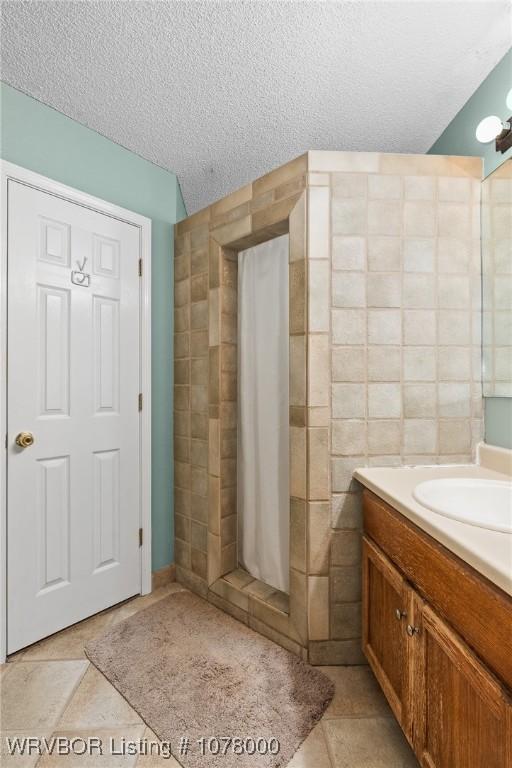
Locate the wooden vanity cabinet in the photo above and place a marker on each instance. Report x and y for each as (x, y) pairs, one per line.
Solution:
(453, 710)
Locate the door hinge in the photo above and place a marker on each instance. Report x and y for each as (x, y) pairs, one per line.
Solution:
(141, 536)
(140, 267)
(140, 401)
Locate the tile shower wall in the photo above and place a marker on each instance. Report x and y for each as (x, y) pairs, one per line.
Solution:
(384, 366)
(394, 252)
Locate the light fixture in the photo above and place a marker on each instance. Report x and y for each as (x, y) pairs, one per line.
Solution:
(492, 128)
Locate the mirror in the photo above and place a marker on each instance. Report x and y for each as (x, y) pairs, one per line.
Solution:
(497, 282)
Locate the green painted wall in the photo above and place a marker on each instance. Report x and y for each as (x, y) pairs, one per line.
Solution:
(38, 137)
(459, 139)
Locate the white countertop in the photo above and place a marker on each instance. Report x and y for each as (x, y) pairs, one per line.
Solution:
(489, 552)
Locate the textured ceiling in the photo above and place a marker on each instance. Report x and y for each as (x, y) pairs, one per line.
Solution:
(221, 92)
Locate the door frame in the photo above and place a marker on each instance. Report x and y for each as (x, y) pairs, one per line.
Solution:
(11, 172)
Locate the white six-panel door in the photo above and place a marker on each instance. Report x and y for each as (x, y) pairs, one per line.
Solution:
(73, 383)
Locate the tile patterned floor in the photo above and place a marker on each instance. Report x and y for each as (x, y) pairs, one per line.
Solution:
(52, 689)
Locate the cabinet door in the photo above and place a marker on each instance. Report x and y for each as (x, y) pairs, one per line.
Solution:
(465, 717)
(387, 602)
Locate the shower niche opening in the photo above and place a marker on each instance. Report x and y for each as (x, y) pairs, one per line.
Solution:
(261, 433)
(240, 405)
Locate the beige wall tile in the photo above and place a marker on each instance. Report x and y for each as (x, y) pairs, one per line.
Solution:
(199, 398)
(214, 318)
(348, 437)
(454, 399)
(199, 261)
(297, 370)
(297, 297)
(419, 187)
(341, 473)
(349, 185)
(319, 417)
(384, 289)
(384, 400)
(346, 548)
(299, 604)
(349, 217)
(343, 162)
(453, 256)
(284, 173)
(198, 343)
(298, 462)
(419, 291)
(384, 363)
(199, 453)
(454, 327)
(348, 289)
(318, 463)
(229, 234)
(199, 371)
(346, 510)
(198, 536)
(419, 254)
(318, 295)
(384, 217)
(297, 234)
(419, 327)
(454, 220)
(348, 326)
(454, 436)
(181, 293)
(199, 481)
(419, 219)
(181, 398)
(214, 569)
(384, 437)
(384, 187)
(345, 584)
(298, 535)
(384, 326)
(348, 401)
(319, 370)
(453, 292)
(242, 195)
(384, 254)
(318, 601)
(319, 534)
(346, 621)
(181, 345)
(199, 425)
(419, 363)
(348, 364)
(348, 253)
(420, 401)
(198, 287)
(420, 436)
(318, 223)
(214, 505)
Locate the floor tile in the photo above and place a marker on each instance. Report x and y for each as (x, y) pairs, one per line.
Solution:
(313, 751)
(153, 760)
(68, 644)
(374, 742)
(95, 760)
(35, 693)
(357, 693)
(9, 758)
(97, 704)
(139, 603)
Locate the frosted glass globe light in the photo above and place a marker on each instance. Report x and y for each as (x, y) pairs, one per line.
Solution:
(488, 128)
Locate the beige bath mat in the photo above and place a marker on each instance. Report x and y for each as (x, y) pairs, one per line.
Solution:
(194, 673)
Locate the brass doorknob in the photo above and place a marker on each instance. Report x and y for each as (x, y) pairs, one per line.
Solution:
(25, 439)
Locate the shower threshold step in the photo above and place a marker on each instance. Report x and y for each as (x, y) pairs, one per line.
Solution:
(244, 582)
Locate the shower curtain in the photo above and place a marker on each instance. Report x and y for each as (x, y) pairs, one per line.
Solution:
(263, 413)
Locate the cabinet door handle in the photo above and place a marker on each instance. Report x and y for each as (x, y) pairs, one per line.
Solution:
(399, 615)
(411, 631)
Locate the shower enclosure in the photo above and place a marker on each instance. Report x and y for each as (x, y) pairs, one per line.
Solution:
(376, 361)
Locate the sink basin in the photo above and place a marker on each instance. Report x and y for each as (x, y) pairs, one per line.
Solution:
(484, 503)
